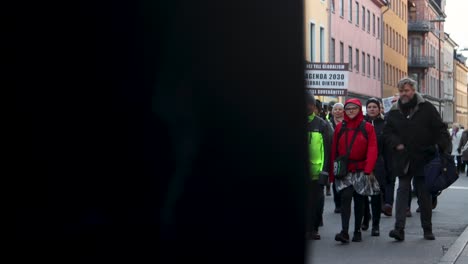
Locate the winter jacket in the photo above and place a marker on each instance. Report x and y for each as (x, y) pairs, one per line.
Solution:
(381, 169)
(463, 140)
(419, 132)
(363, 152)
(319, 134)
(456, 141)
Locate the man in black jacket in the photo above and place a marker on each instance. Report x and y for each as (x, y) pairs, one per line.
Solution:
(412, 131)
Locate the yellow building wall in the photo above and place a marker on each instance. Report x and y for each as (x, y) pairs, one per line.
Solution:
(395, 53)
(316, 11)
(461, 80)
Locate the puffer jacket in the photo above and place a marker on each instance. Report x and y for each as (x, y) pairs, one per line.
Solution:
(364, 151)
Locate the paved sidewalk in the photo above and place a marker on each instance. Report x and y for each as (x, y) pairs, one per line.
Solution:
(463, 258)
(450, 220)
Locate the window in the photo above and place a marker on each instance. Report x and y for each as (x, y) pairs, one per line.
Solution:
(390, 44)
(398, 43)
(368, 20)
(350, 58)
(368, 65)
(386, 34)
(373, 24)
(363, 63)
(322, 44)
(378, 27)
(373, 66)
(341, 52)
(332, 3)
(312, 42)
(363, 18)
(386, 73)
(342, 8)
(357, 60)
(350, 10)
(357, 13)
(378, 69)
(332, 50)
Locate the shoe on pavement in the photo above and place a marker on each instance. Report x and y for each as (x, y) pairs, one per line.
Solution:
(428, 235)
(328, 191)
(418, 210)
(408, 213)
(387, 210)
(337, 210)
(357, 237)
(365, 225)
(399, 235)
(342, 237)
(313, 235)
(434, 203)
(375, 231)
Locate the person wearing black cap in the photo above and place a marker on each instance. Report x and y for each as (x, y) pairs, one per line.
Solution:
(319, 136)
(375, 117)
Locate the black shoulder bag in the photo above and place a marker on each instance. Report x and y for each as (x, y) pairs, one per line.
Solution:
(340, 165)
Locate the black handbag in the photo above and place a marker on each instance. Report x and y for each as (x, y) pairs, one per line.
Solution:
(340, 165)
(440, 173)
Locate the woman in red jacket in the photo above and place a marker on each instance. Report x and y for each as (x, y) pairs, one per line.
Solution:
(362, 158)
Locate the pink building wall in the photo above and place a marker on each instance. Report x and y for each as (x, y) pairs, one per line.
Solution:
(342, 30)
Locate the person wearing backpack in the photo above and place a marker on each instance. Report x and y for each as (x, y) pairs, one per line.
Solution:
(354, 154)
(319, 135)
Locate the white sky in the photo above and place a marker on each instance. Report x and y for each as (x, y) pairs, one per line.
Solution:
(456, 22)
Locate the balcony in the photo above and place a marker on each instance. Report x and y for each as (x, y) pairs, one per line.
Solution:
(421, 61)
(420, 26)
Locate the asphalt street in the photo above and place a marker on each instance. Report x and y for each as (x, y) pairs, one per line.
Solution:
(449, 219)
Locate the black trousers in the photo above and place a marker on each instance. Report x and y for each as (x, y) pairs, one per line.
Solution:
(389, 193)
(336, 197)
(314, 210)
(376, 205)
(460, 164)
(424, 201)
(347, 195)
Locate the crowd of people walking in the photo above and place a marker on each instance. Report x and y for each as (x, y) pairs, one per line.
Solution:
(359, 157)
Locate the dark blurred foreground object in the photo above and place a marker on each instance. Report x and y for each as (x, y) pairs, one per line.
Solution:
(161, 132)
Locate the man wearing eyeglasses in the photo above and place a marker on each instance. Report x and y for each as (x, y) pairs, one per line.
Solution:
(413, 128)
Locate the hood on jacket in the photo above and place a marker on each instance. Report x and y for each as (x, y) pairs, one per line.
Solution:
(353, 123)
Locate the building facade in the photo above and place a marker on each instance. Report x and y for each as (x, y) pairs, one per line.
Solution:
(317, 32)
(425, 42)
(395, 47)
(461, 83)
(448, 79)
(356, 35)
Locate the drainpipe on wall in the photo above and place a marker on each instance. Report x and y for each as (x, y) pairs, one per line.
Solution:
(382, 62)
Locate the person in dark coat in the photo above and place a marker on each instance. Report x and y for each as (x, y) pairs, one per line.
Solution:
(464, 157)
(336, 118)
(375, 117)
(413, 129)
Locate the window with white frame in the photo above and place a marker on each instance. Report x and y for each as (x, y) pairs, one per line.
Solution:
(312, 42)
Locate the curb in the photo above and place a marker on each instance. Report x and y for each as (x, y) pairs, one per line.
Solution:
(456, 249)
